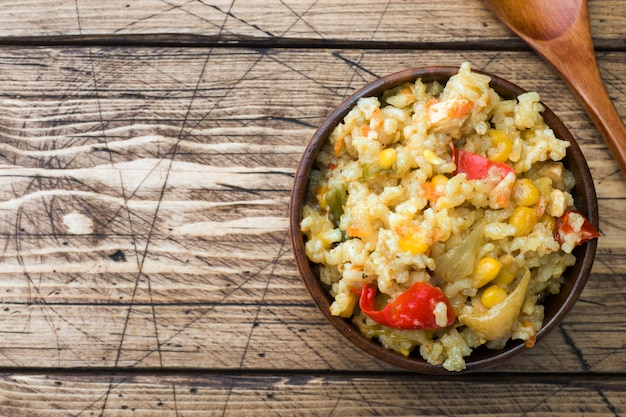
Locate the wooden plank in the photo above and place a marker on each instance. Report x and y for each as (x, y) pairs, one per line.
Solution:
(263, 336)
(122, 394)
(196, 336)
(443, 21)
(144, 195)
(145, 264)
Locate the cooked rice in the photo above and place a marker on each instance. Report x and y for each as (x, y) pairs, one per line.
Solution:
(361, 210)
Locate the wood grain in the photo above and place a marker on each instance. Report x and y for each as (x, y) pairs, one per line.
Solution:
(147, 150)
(305, 395)
(144, 223)
(444, 21)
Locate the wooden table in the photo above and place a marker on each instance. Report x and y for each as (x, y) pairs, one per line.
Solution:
(147, 152)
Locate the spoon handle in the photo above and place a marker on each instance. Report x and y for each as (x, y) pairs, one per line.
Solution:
(590, 89)
(572, 55)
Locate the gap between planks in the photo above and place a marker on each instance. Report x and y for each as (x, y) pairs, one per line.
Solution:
(494, 377)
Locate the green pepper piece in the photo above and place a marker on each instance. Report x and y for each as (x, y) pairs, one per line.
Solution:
(336, 198)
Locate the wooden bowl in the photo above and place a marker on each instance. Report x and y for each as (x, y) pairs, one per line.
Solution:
(556, 306)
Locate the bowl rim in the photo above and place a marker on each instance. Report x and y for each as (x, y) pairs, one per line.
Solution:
(481, 358)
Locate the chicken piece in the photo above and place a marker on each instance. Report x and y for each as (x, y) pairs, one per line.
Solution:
(448, 116)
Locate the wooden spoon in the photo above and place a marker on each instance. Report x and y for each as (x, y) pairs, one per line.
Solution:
(559, 31)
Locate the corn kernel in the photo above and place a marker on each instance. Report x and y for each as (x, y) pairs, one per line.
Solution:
(413, 244)
(502, 146)
(432, 157)
(493, 295)
(436, 187)
(439, 181)
(524, 220)
(320, 194)
(387, 158)
(525, 193)
(486, 270)
(505, 277)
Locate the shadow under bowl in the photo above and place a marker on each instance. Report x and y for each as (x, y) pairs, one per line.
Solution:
(556, 306)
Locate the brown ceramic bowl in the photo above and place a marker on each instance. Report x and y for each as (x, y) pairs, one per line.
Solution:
(556, 306)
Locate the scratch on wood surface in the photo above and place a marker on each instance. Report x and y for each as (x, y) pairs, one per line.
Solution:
(104, 398)
(141, 257)
(141, 273)
(281, 252)
(78, 23)
(167, 8)
(355, 65)
(380, 19)
(611, 407)
(577, 352)
(300, 17)
(174, 400)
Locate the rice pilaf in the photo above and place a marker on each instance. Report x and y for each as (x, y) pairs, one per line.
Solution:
(450, 189)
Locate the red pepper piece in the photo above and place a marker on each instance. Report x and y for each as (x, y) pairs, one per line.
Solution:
(562, 228)
(477, 167)
(413, 309)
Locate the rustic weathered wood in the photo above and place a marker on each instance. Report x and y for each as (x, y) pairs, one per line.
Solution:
(144, 208)
(59, 395)
(252, 337)
(445, 21)
(144, 186)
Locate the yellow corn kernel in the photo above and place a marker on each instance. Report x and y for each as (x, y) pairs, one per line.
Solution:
(439, 181)
(387, 158)
(485, 271)
(413, 244)
(320, 194)
(432, 157)
(436, 187)
(524, 220)
(501, 148)
(525, 193)
(493, 295)
(505, 277)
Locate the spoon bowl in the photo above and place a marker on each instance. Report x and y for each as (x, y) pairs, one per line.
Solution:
(559, 31)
